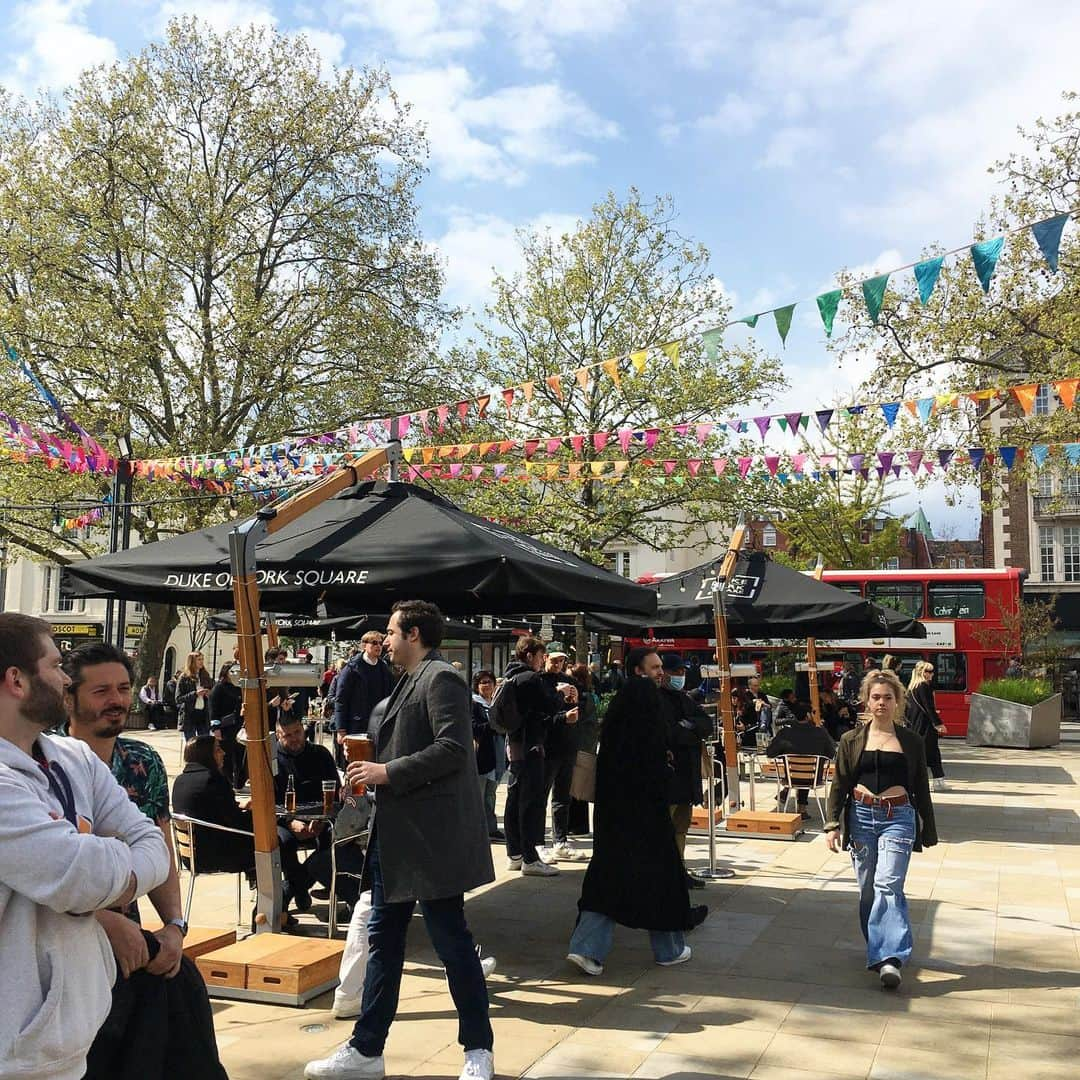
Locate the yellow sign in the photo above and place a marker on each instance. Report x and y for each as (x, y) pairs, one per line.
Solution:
(92, 630)
(134, 630)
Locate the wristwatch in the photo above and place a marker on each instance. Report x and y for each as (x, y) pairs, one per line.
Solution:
(180, 924)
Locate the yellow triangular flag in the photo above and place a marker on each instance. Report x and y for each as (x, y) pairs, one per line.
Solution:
(597, 467)
(582, 376)
(408, 452)
(552, 470)
(621, 467)
(638, 359)
(527, 390)
(573, 470)
(612, 368)
(944, 401)
(671, 350)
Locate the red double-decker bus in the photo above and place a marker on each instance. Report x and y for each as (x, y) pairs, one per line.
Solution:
(971, 631)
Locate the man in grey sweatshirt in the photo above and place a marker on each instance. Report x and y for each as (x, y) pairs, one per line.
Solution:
(71, 843)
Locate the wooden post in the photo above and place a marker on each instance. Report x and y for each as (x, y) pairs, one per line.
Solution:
(242, 551)
(811, 659)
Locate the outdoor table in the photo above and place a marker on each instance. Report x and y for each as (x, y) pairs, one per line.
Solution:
(751, 756)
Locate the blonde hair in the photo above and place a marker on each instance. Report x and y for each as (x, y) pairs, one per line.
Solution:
(372, 637)
(189, 667)
(890, 662)
(883, 678)
(921, 668)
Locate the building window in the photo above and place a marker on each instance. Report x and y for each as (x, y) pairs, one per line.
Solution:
(1046, 553)
(618, 562)
(957, 600)
(51, 600)
(1042, 400)
(768, 536)
(1070, 483)
(1070, 549)
(898, 595)
(879, 525)
(956, 563)
(1044, 484)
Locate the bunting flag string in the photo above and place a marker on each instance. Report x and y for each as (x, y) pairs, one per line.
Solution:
(984, 258)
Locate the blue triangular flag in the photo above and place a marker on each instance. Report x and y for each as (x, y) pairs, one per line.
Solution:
(856, 410)
(824, 417)
(925, 407)
(926, 276)
(976, 454)
(1008, 455)
(891, 409)
(1039, 454)
(1048, 236)
(1072, 452)
(985, 257)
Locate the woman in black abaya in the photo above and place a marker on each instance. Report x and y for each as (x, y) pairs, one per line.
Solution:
(636, 876)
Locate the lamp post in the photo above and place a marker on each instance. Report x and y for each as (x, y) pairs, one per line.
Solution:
(119, 537)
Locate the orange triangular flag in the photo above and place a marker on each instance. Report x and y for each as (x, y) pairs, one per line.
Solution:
(1066, 390)
(527, 390)
(638, 359)
(552, 470)
(506, 446)
(482, 404)
(464, 450)
(447, 451)
(612, 368)
(508, 397)
(555, 382)
(1025, 395)
(913, 408)
(573, 470)
(429, 454)
(582, 376)
(485, 448)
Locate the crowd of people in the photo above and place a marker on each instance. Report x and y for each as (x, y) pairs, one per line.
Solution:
(98, 805)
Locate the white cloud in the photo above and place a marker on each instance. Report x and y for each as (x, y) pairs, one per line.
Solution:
(495, 136)
(52, 46)
(220, 15)
(734, 115)
(790, 147)
(330, 46)
(476, 246)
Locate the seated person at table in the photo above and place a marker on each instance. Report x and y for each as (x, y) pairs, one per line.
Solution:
(203, 791)
(309, 765)
(801, 737)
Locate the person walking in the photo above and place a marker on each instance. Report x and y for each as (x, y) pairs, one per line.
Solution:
(428, 844)
(363, 682)
(193, 687)
(226, 706)
(922, 716)
(880, 808)
(636, 876)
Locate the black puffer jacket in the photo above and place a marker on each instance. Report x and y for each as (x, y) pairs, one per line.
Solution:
(540, 704)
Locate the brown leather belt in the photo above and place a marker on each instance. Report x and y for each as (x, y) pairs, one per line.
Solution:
(880, 800)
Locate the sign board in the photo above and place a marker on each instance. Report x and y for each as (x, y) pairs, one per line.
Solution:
(134, 630)
(68, 635)
(940, 634)
(738, 671)
(547, 628)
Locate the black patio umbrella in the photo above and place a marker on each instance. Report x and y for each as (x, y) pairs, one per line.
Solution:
(766, 599)
(348, 627)
(367, 547)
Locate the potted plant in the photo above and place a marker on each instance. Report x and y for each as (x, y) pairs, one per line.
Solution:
(1020, 712)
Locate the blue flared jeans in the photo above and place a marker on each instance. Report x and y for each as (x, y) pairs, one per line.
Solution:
(882, 838)
(594, 935)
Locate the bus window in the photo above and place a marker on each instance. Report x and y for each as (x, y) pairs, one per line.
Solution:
(957, 600)
(903, 596)
(950, 671)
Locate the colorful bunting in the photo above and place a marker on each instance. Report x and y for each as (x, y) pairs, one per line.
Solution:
(1048, 236)
(926, 277)
(873, 291)
(985, 256)
(671, 351)
(711, 340)
(783, 321)
(827, 304)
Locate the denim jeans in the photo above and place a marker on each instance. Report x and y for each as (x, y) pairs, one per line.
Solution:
(594, 934)
(444, 920)
(881, 844)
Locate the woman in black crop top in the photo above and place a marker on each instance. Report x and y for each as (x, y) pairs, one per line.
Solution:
(879, 806)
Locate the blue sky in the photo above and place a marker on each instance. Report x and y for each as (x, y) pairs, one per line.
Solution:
(795, 137)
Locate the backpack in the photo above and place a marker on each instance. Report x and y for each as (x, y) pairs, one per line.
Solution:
(504, 712)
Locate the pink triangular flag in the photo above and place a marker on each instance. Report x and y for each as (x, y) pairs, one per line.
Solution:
(744, 466)
(625, 435)
(772, 463)
(681, 429)
(915, 458)
(651, 435)
(600, 440)
(701, 432)
(692, 466)
(553, 447)
(443, 411)
(719, 464)
(477, 471)
(577, 442)
(797, 462)
(669, 467)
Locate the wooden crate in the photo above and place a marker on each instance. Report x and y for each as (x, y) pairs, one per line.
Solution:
(699, 819)
(304, 964)
(762, 823)
(200, 939)
(228, 966)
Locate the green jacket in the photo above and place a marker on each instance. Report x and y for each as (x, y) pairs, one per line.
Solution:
(852, 744)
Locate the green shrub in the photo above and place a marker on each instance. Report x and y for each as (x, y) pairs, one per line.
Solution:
(603, 701)
(773, 684)
(1022, 691)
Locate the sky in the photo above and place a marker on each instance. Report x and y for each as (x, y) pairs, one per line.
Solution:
(796, 137)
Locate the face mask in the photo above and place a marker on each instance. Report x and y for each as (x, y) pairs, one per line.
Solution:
(677, 682)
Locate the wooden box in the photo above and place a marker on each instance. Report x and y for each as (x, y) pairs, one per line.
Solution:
(228, 966)
(200, 939)
(699, 819)
(763, 823)
(306, 963)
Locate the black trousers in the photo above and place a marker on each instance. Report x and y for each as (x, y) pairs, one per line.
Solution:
(526, 808)
(558, 774)
(235, 764)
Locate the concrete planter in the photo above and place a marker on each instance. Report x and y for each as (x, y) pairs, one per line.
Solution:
(994, 722)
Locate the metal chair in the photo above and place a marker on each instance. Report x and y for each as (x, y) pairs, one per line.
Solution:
(331, 917)
(186, 859)
(808, 771)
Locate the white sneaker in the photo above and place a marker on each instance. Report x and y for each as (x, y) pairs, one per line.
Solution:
(939, 784)
(547, 855)
(586, 963)
(680, 959)
(539, 869)
(479, 1065)
(345, 1008)
(513, 862)
(890, 976)
(566, 852)
(487, 966)
(151, 727)
(346, 1063)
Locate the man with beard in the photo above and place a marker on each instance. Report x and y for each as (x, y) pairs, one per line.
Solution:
(98, 701)
(71, 843)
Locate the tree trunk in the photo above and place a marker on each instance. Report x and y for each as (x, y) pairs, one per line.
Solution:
(161, 621)
(581, 638)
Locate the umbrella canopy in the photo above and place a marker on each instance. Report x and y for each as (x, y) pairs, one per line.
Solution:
(766, 599)
(362, 550)
(348, 627)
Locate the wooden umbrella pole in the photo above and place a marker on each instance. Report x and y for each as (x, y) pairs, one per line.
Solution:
(243, 542)
(811, 659)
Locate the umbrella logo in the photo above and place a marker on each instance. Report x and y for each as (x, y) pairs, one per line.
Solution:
(523, 543)
(744, 587)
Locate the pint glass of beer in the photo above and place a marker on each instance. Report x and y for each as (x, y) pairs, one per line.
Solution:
(359, 748)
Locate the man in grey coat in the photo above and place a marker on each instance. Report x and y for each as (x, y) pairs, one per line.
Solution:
(428, 843)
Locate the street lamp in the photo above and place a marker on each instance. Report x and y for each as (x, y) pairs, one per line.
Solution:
(119, 536)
